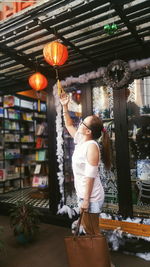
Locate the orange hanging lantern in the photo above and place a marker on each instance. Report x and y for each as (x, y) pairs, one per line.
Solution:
(38, 82)
(56, 55)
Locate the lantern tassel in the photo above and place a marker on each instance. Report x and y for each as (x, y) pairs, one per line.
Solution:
(39, 105)
(38, 94)
(59, 86)
(60, 89)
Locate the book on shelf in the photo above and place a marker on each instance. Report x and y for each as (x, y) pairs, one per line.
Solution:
(12, 153)
(10, 101)
(38, 115)
(40, 129)
(31, 128)
(37, 169)
(11, 137)
(40, 155)
(1, 112)
(27, 116)
(1, 141)
(42, 106)
(1, 154)
(11, 125)
(40, 181)
(44, 143)
(2, 175)
(29, 159)
(39, 142)
(26, 104)
(11, 114)
(27, 138)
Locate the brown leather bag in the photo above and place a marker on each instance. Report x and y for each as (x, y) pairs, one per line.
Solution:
(88, 250)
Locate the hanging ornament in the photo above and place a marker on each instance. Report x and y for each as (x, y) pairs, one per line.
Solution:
(117, 74)
(110, 28)
(38, 82)
(56, 55)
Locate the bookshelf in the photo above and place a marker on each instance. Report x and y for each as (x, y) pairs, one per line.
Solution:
(40, 177)
(23, 145)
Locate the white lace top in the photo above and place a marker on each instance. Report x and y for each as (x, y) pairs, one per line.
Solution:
(79, 162)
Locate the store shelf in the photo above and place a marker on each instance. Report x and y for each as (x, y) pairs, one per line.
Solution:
(19, 122)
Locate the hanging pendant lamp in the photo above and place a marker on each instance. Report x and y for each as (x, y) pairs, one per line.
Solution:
(38, 82)
(56, 55)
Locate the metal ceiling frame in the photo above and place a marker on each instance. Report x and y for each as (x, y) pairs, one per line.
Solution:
(79, 24)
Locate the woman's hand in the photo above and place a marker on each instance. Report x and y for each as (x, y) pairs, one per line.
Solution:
(84, 206)
(64, 99)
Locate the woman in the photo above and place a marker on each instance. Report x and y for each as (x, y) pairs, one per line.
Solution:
(85, 162)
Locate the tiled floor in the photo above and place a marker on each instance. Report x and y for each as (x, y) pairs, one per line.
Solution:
(71, 200)
(24, 195)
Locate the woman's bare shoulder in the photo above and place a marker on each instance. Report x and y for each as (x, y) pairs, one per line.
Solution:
(93, 154)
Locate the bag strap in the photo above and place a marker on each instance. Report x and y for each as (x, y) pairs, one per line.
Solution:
(79, 223)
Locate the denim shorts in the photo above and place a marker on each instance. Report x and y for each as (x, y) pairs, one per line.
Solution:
(94, 207)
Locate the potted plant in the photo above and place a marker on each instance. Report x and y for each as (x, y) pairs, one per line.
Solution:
(24, 219)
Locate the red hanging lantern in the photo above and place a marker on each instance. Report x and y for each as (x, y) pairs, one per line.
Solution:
(38, 81)
(55, 53)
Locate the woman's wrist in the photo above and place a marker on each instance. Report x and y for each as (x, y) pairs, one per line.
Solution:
(65, 112)
(86, 199)
(65, 109)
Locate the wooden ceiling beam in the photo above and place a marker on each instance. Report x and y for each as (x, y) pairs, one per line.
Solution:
(21, 58)
(17, 56)
(119, 9)
(66, 42)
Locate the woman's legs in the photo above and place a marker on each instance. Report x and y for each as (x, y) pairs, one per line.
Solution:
(90, 222)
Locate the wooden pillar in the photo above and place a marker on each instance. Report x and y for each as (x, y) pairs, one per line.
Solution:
(122, 153)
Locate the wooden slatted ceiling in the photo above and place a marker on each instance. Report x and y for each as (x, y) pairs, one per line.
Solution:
(79, 25)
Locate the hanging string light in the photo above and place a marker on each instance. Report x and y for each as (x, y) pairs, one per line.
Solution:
(56, 55)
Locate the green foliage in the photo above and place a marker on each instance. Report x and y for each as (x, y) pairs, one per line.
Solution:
(146, 109)
(106, 114)
(24, 219)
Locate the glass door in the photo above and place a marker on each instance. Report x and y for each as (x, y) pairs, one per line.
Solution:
(138, 107)
(75, 111)
(103, 107)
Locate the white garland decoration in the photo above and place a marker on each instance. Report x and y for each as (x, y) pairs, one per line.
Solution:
(59, 140)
